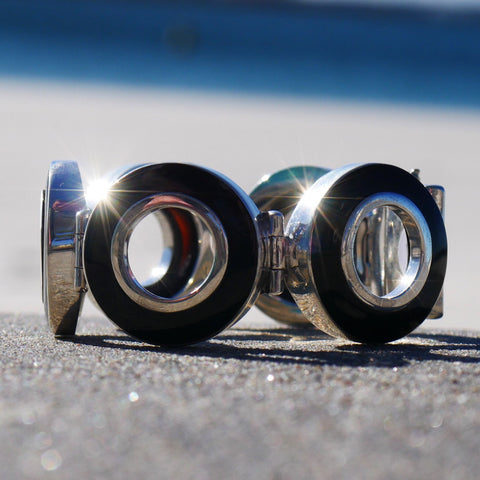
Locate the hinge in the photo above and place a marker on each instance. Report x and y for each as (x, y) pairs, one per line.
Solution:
(438, 194)
(274, 252)
(79, 282)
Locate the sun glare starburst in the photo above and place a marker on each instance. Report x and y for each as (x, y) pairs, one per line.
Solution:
(97, 191)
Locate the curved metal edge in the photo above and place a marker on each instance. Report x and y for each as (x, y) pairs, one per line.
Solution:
(300, 279)
(282, 191)
(284, 185)
(282, 310)
(256, 217)
(62, 199)
(418, 267)
(119, 256)
(438, 194)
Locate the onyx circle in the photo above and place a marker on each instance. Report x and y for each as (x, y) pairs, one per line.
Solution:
(203, 321)
(354, 318)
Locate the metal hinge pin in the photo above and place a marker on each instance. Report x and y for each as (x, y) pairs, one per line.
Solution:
(79, 282)
(438, 194)
(274, 251)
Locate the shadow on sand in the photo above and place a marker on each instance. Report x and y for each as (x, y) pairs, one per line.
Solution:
(307, 347)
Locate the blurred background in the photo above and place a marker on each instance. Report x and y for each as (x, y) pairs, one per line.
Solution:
(246, 88)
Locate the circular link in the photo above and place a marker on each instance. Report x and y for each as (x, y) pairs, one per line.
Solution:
(196, 289)
(419, 250)
(322, 274)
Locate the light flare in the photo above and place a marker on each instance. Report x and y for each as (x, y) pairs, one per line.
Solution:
(97, 191)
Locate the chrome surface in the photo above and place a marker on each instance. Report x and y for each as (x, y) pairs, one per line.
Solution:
(255, 214)
(438, 194)
(371, 253)
(299, 279)
(195, 288)
(282, 191)
(252, 211)
(210, 265)
(81, 220)
(61, 201)
(273, 242)
(379, 256)
(386, 248)
(415, 172)
(106, 182)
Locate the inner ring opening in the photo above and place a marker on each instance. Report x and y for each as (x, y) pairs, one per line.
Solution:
(386, 251)
(169, 252)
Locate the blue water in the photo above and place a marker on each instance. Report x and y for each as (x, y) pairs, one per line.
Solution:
(390, 54)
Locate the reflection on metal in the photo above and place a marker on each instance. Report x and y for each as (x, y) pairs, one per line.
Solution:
(273, 244)
(196, 251)
(210, 265)
(377, 251)
(300, 232)
(370, 251)
(438, 194)
(354, 260)
(81, 219)
(61, 201)
(282, 191)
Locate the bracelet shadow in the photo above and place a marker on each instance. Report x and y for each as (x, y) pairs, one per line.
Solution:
(281, 346)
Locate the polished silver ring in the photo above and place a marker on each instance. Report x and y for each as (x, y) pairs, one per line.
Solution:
(370, 250)
(210, 265)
